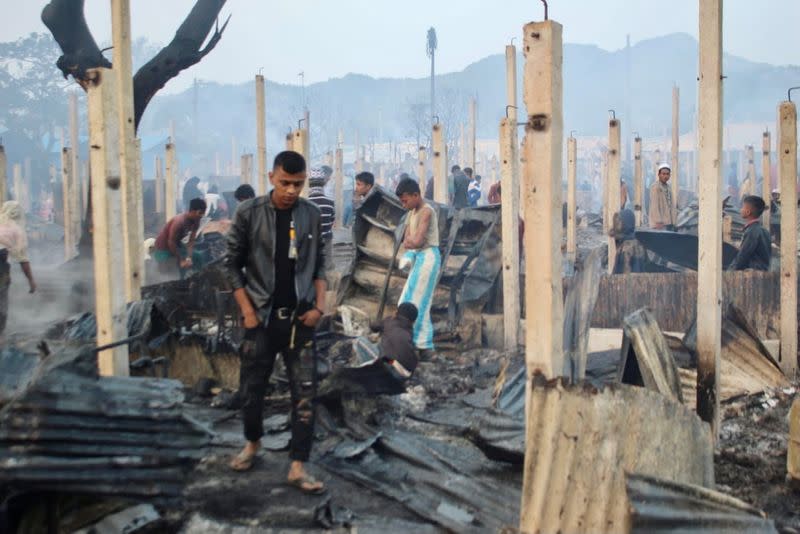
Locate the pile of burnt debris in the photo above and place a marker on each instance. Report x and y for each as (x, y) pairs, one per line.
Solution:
(613, 446)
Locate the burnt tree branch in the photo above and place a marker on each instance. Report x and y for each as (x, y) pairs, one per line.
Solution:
(66, 21)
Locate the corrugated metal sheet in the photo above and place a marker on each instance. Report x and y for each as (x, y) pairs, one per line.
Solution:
(64, 429)
(646, 359)
(673, 299)
(582, 441)
(661, 506)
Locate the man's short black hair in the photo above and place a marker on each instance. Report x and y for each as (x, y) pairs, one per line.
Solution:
(244, 192)
(290, 161)
(366, 177)
(756, 203)
(197, 204)
(468, 171)
(404, 175)
(454, 169)
(407, 186)
(408, 310)
(327, 171)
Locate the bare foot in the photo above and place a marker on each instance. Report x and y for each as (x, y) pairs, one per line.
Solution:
(245, 459)
(301, 479)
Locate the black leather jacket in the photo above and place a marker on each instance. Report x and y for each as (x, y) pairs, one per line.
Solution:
(251, 246)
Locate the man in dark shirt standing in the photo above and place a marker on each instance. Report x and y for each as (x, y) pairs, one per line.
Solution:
(460, 188)
(276, 265)
(756, 248)
(317, 179)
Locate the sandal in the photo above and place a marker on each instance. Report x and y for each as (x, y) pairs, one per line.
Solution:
(305, 483)
(243, 462)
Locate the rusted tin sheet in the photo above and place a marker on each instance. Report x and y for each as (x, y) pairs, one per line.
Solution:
(673, 299)
(662, 506)
(746, 366)
(471, 259)
(646, 359)
(582, 441)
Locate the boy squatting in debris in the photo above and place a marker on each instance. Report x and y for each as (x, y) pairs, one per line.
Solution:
(756, 247)
(276, 265)
(421, 241)
(379, 368)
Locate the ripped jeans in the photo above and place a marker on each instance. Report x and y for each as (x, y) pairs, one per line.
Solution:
(258, 352)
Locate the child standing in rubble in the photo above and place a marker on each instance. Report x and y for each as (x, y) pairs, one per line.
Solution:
(421, 241)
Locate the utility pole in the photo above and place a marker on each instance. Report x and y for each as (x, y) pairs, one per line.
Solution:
(543, 88)
(709, 269)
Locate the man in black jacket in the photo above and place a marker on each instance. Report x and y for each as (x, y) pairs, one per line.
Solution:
(756, 248)
(276, 266)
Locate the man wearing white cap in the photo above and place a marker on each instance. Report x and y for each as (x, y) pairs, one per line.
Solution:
(661, 214)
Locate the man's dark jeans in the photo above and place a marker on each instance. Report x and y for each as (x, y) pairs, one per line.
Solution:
(260, 347)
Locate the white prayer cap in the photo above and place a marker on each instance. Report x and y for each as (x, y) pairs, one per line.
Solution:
(663, 166)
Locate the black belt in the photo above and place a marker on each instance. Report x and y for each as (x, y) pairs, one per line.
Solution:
(282, 314)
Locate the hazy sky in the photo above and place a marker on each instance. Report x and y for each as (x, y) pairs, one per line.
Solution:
(330, 38)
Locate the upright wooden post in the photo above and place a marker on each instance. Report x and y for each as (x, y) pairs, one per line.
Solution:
(19, 187)
(246, 176)
(509, 211)
(290, 141)
(159, 179)
(473, 119)
(261, 135)
(676, 162)
(614, 190)
(572, 187)
(3, 175)
(787, 174)
(131, 186)
(302, 146)
(638, 181)
(338, 175)
(766, 179)
(604, 176)
(462, 147)
(170, 187)
(439, 165)
(107, 218)
(421, 175)
(750, 154)
(67, 192)
(80, 192)
(709, 271)
(542, 193)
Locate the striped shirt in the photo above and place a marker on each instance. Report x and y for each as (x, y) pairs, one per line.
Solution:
(326, 207)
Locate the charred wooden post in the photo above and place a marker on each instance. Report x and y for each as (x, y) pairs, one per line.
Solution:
(766, 178)
(159, 184)
(70, 213)
(261, 135)
(107, 218)
(170, 187)
(439, 165)
(709, 271)
(338, 176)
(473, 119)
(613, 183)
(572, 186)
(787, 174)
(675, 159)
(638, 182)
(509, 212)
(422, 178)
(130, 179)
(542, 193)
(3, 174)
